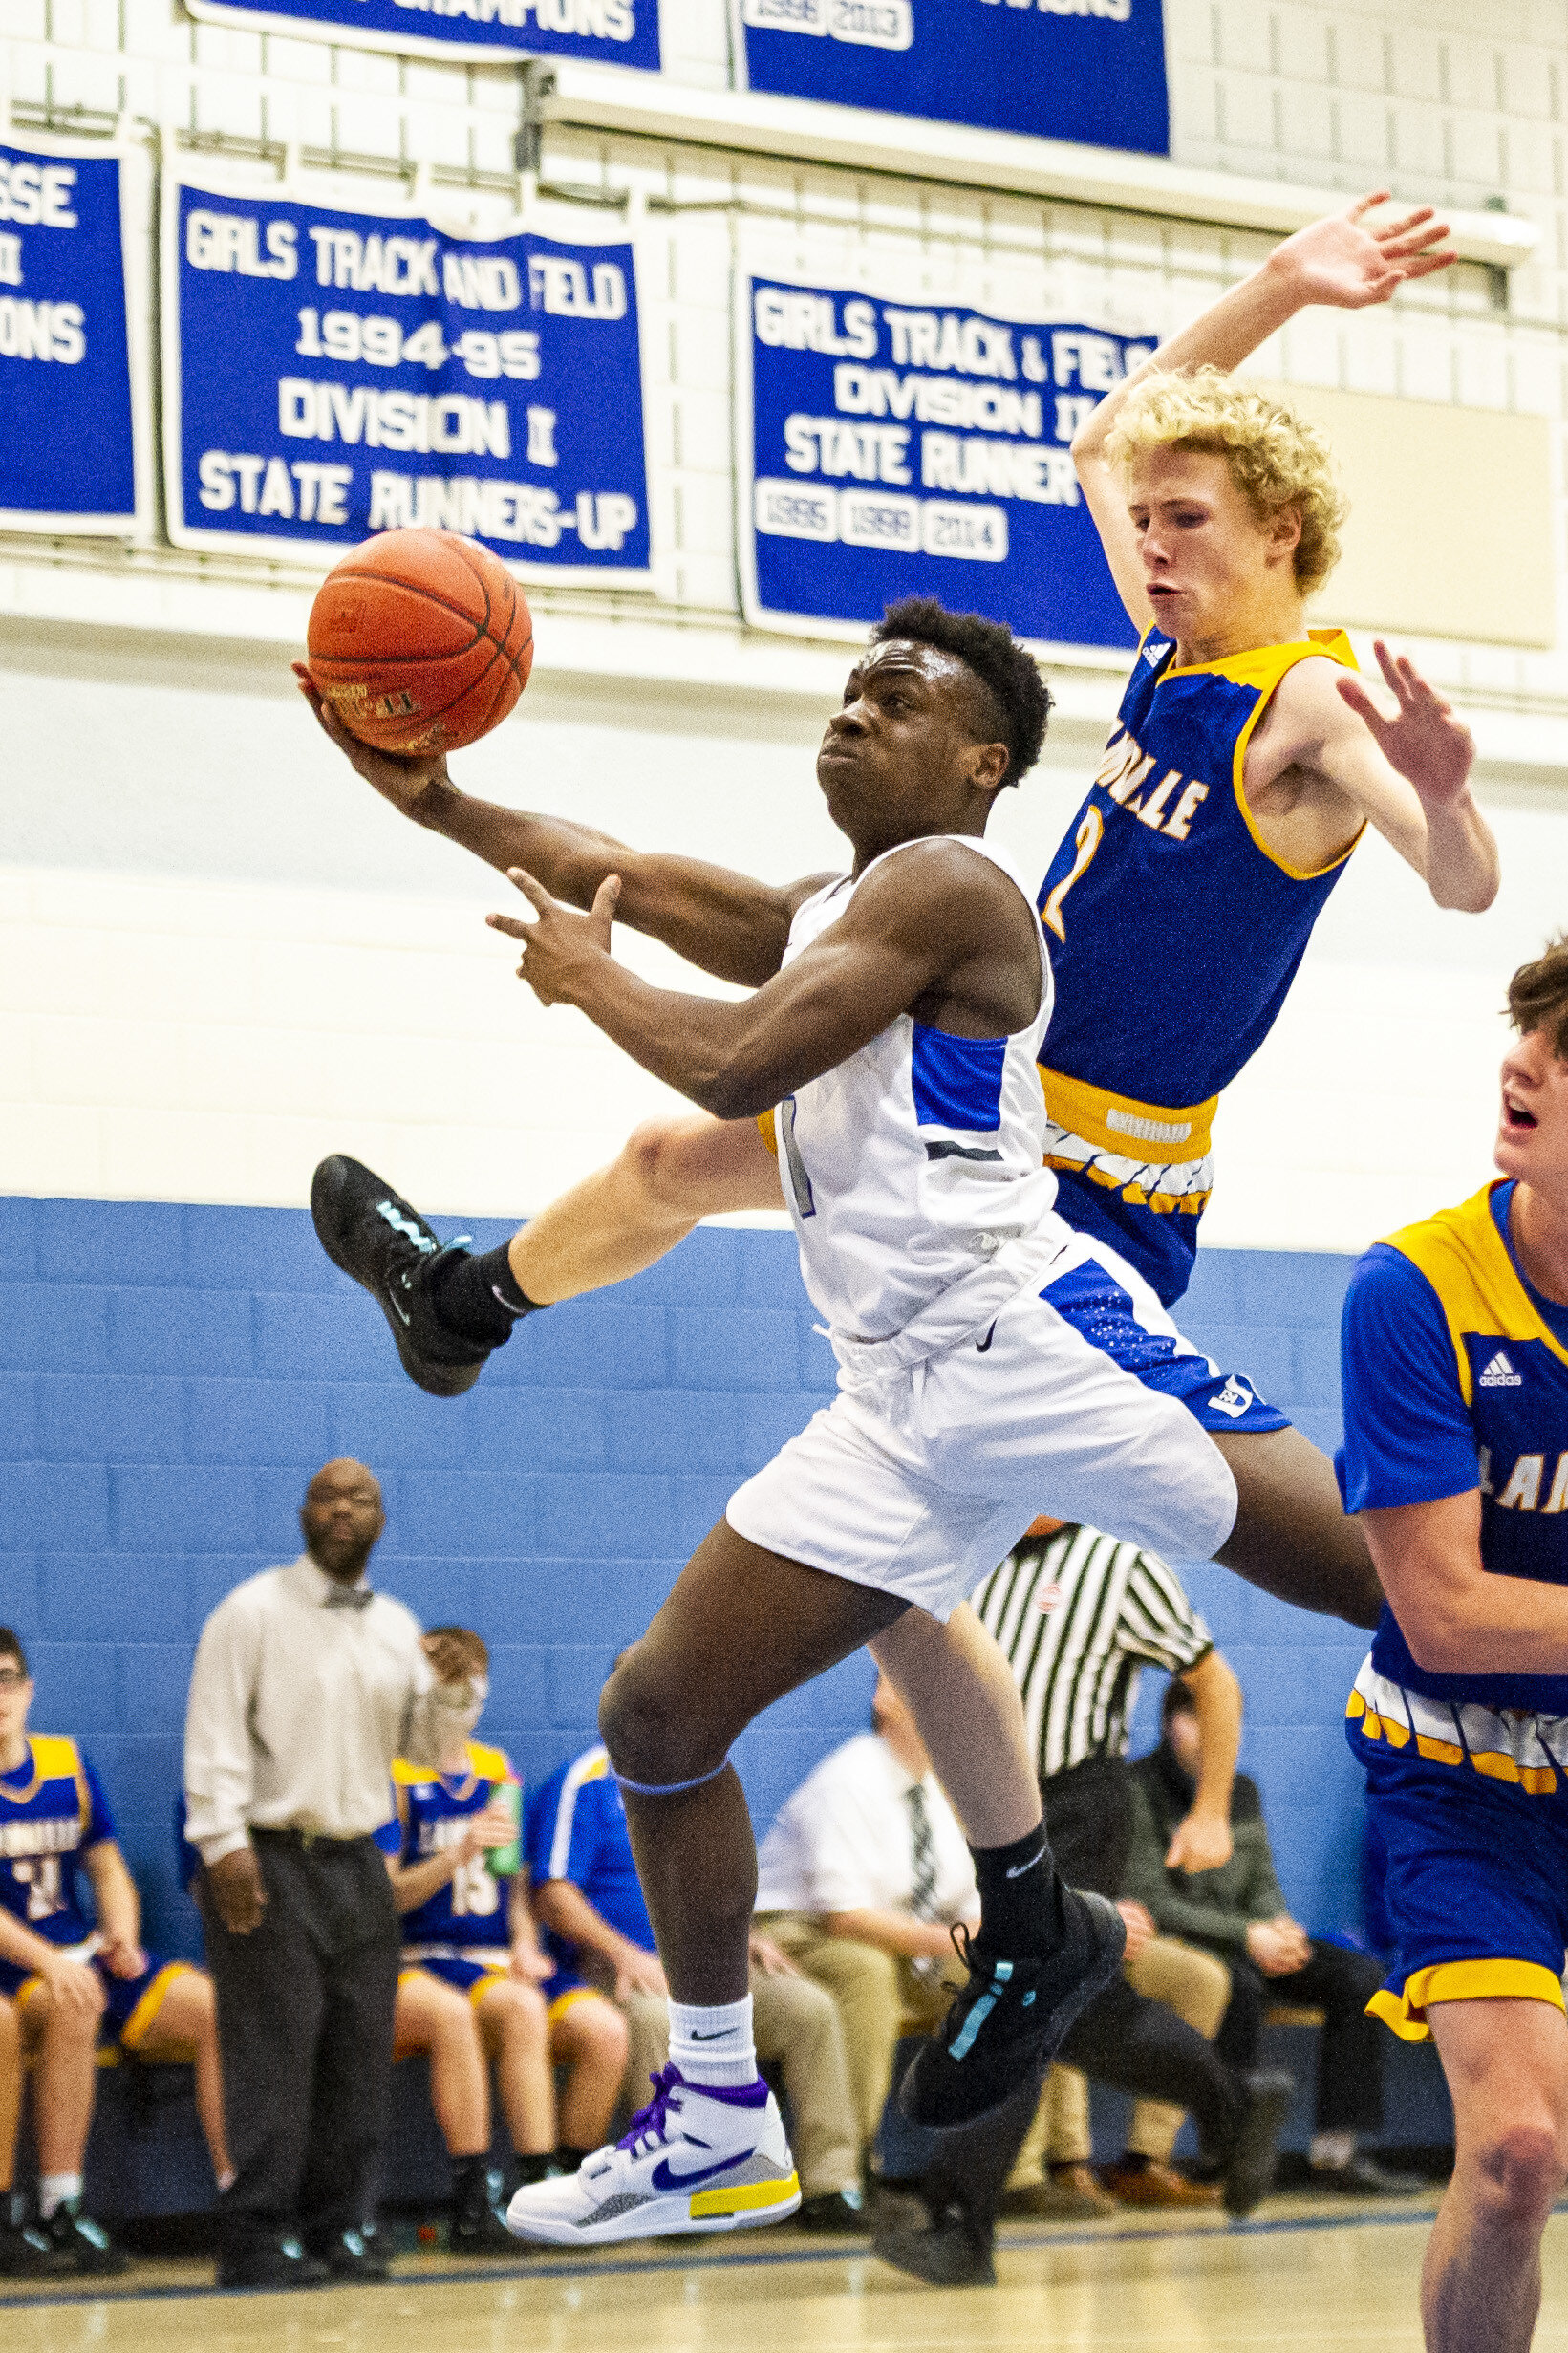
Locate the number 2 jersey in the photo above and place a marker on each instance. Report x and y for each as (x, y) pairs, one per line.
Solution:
(1174, 935)
(469, 1914)
(51, 1809)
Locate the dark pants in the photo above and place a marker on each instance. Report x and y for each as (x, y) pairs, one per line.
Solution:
(1137, 2046)
(1123, 2039)
(1089, 1813)
(304, 2036)
(1350, 2046)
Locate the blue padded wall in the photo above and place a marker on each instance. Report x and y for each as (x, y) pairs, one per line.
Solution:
(171, 1375)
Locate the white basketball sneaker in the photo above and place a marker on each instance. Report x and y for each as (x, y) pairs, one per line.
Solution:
(698, 2157)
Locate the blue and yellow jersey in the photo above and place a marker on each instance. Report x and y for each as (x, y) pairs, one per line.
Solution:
(432, 1811)
(1174, 935)
(51, 1810)
(1455, 1378)
(576, 1830)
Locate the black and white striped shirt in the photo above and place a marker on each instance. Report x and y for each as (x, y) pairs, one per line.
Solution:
(1078, 1615)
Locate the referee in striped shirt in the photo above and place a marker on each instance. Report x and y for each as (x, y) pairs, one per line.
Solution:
(1078, 1617)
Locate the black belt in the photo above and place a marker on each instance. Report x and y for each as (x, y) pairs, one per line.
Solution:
(307, 1840)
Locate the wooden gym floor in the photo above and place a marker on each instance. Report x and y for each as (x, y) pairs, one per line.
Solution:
(1303, 2276)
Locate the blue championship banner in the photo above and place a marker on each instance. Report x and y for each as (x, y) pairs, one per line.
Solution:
(608, 32)
(74, 441)
(889, 449)
(330, 374)
(1087, 70)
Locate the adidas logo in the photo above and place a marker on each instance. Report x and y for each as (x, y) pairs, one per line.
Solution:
(1155, 651)
(1501, 1374)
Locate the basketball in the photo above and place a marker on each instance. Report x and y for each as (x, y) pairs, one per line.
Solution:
(420, 641)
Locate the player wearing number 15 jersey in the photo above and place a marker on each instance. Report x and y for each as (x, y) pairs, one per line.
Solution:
(474, 1991)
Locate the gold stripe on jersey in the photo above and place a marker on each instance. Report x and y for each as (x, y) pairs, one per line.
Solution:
(55, 1758)
(1120, 1124)
(484, 1764)
(1262, 667)
(1465, 1261)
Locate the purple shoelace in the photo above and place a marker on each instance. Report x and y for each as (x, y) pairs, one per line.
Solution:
(649, 2123)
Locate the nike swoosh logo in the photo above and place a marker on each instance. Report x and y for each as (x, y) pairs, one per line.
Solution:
(718, 2036)
(399, 1310)
(664, 2179)
(980, 1346)
(1019, 1869)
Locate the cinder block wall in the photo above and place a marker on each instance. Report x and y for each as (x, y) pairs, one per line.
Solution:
(171, 1375)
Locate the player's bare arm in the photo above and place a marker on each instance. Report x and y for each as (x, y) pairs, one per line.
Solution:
(940, 935)
(1325, 757)
(1457, 1617)
(725, 923)
(1343, 261)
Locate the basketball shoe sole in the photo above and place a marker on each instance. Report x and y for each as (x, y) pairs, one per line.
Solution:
(382, 1240)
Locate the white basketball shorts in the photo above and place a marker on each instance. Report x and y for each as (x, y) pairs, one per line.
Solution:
(920, 1481)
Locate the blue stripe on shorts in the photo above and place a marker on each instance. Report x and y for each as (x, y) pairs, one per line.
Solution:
(1089, 1298)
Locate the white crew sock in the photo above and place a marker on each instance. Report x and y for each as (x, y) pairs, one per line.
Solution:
(713, 2045)
(1332, 2148)
(56, 2190)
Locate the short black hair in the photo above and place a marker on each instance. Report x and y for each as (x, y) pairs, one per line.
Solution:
(1019, 698)
(10, 1646)
(1178, 1700)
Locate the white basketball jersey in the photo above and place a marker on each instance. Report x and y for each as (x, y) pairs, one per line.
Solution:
(914, 1171)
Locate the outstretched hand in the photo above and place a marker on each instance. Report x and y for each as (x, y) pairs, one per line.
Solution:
(1348, 265)
(1422, 740)
(402, 780)
(562, 942)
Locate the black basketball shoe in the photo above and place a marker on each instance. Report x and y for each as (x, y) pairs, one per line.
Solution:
(1007, 2022)
(384, 1244)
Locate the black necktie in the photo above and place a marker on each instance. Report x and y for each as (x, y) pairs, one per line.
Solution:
(923, 1849)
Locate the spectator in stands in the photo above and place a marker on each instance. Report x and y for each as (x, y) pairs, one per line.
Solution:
(588, 1897)
(1079, 1615)
(1238, 1912)
(73, 1973)
(860, 1881)
(307, 1684)
(470, 1990)
(868, 1852)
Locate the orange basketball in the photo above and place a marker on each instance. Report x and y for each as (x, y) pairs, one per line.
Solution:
(420, 641)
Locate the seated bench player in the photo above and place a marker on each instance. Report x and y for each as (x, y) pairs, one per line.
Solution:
(73, 1974)
(469, 1992)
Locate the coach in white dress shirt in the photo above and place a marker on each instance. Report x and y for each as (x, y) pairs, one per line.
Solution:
(307, 1684)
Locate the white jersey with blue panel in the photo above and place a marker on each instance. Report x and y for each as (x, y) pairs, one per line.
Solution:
(913, 1170)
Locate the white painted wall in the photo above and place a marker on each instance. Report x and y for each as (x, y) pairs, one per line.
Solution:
(221, 958)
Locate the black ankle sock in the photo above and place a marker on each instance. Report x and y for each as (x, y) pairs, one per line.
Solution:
(469, 2181)
(532, 2168)
(1020, 1901)
(569, 2159)
(477, 1298)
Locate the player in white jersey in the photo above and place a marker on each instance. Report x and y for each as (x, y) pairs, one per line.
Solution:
(895, 1042)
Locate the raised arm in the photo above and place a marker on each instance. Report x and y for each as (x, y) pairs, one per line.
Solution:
(723, 922)
(1339, 261)
(915, 928)
(1409, 775)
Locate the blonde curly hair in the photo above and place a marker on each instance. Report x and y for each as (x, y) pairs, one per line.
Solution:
(1277, 459)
